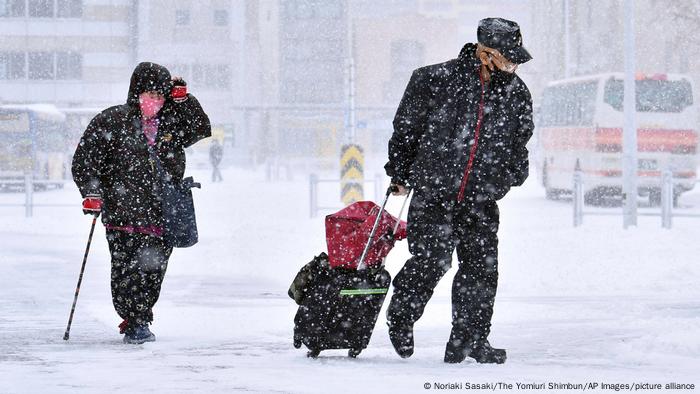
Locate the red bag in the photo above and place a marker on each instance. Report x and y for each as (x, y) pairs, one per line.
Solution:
(347, 233)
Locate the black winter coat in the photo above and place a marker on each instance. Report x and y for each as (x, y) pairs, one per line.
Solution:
(434, 131)
(113, 161)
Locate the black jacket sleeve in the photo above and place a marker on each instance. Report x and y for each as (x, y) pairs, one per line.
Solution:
(90, 157)
(196, 122)
(519, 160)
(409, 125)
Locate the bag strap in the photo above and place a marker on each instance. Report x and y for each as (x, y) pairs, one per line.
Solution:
(155, 160)
(187, 182)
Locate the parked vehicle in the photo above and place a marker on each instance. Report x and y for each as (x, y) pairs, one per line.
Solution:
(32, 140)
(581, 122)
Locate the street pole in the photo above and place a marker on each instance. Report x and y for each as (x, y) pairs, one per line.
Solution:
(567, 44)
(352, 98)
(352, 160)
(629, 149)
(350, 136)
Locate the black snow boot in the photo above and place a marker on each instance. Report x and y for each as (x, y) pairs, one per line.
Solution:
(455, 354)
(401, 336)
(481, 351)
(138, 334)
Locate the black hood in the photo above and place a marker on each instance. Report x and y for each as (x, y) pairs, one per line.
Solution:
(148, 76)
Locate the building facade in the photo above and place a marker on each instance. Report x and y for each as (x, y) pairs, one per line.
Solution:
(71, 53)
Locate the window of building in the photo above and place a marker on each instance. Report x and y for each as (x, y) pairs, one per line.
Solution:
(406, 55)
(69, 8)
(12, 65)
(12, 8)
(182, 17)
(40, 65)
(180, 70)
(211, 76)
(41, 8)
(221, 17)
(223, 76)
(69, 65)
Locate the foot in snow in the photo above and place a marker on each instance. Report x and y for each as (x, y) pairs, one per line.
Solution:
(401, 336)
(481, 351)
(138, 334)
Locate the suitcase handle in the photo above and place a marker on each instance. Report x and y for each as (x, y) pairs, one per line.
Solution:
(391, 189)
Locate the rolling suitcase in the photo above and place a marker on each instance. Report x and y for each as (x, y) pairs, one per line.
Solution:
(339, 306)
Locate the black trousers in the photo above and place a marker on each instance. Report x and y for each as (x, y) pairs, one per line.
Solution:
(139, 263)
(435, 230)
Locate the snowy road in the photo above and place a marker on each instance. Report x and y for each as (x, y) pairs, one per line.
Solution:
(595, 303)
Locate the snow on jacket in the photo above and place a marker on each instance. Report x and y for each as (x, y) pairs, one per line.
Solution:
(112, 159)
(434, 130)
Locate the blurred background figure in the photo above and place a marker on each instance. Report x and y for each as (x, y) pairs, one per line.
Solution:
(216, 153)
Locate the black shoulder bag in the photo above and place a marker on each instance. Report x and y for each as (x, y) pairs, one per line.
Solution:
(179, 221)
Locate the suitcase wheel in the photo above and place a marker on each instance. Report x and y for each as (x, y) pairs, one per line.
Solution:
(313, 353)
(353, 353)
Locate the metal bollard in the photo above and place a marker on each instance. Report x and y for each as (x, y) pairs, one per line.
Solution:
(578, 198)
(313, 202)
(667, 199)
(28, 195)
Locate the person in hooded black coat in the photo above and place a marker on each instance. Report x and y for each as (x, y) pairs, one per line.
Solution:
(459, 141)
(116, 175)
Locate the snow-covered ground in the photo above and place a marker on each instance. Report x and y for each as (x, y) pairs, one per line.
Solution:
(575, 305)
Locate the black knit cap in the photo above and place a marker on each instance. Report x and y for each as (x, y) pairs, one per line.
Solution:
(148, 77)
(505, 36)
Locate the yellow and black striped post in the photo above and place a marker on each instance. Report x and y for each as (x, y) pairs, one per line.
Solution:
(352, 163)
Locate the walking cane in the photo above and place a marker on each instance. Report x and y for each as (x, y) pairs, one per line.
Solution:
(80, 279)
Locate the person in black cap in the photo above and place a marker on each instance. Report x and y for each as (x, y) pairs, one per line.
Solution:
(459, 141)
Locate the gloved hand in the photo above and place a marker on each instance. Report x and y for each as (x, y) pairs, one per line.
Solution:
(92, 205)
(398, 190)
(179, 90)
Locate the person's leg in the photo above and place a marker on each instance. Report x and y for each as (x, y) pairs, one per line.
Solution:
(122, 249)
(430, 241)
(152, 262)
(475, 283)
(139, 263)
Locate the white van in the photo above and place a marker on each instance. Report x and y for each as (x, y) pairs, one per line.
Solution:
(581, 121)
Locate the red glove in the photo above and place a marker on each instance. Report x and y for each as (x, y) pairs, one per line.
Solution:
(92, 205)
(179, 90)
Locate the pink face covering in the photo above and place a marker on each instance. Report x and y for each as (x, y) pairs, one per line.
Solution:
(150, 106)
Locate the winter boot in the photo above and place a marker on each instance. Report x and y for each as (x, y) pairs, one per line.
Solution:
(483, 353)
(138, 334)
(455, 354)
(480, 350)
(401, 336)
